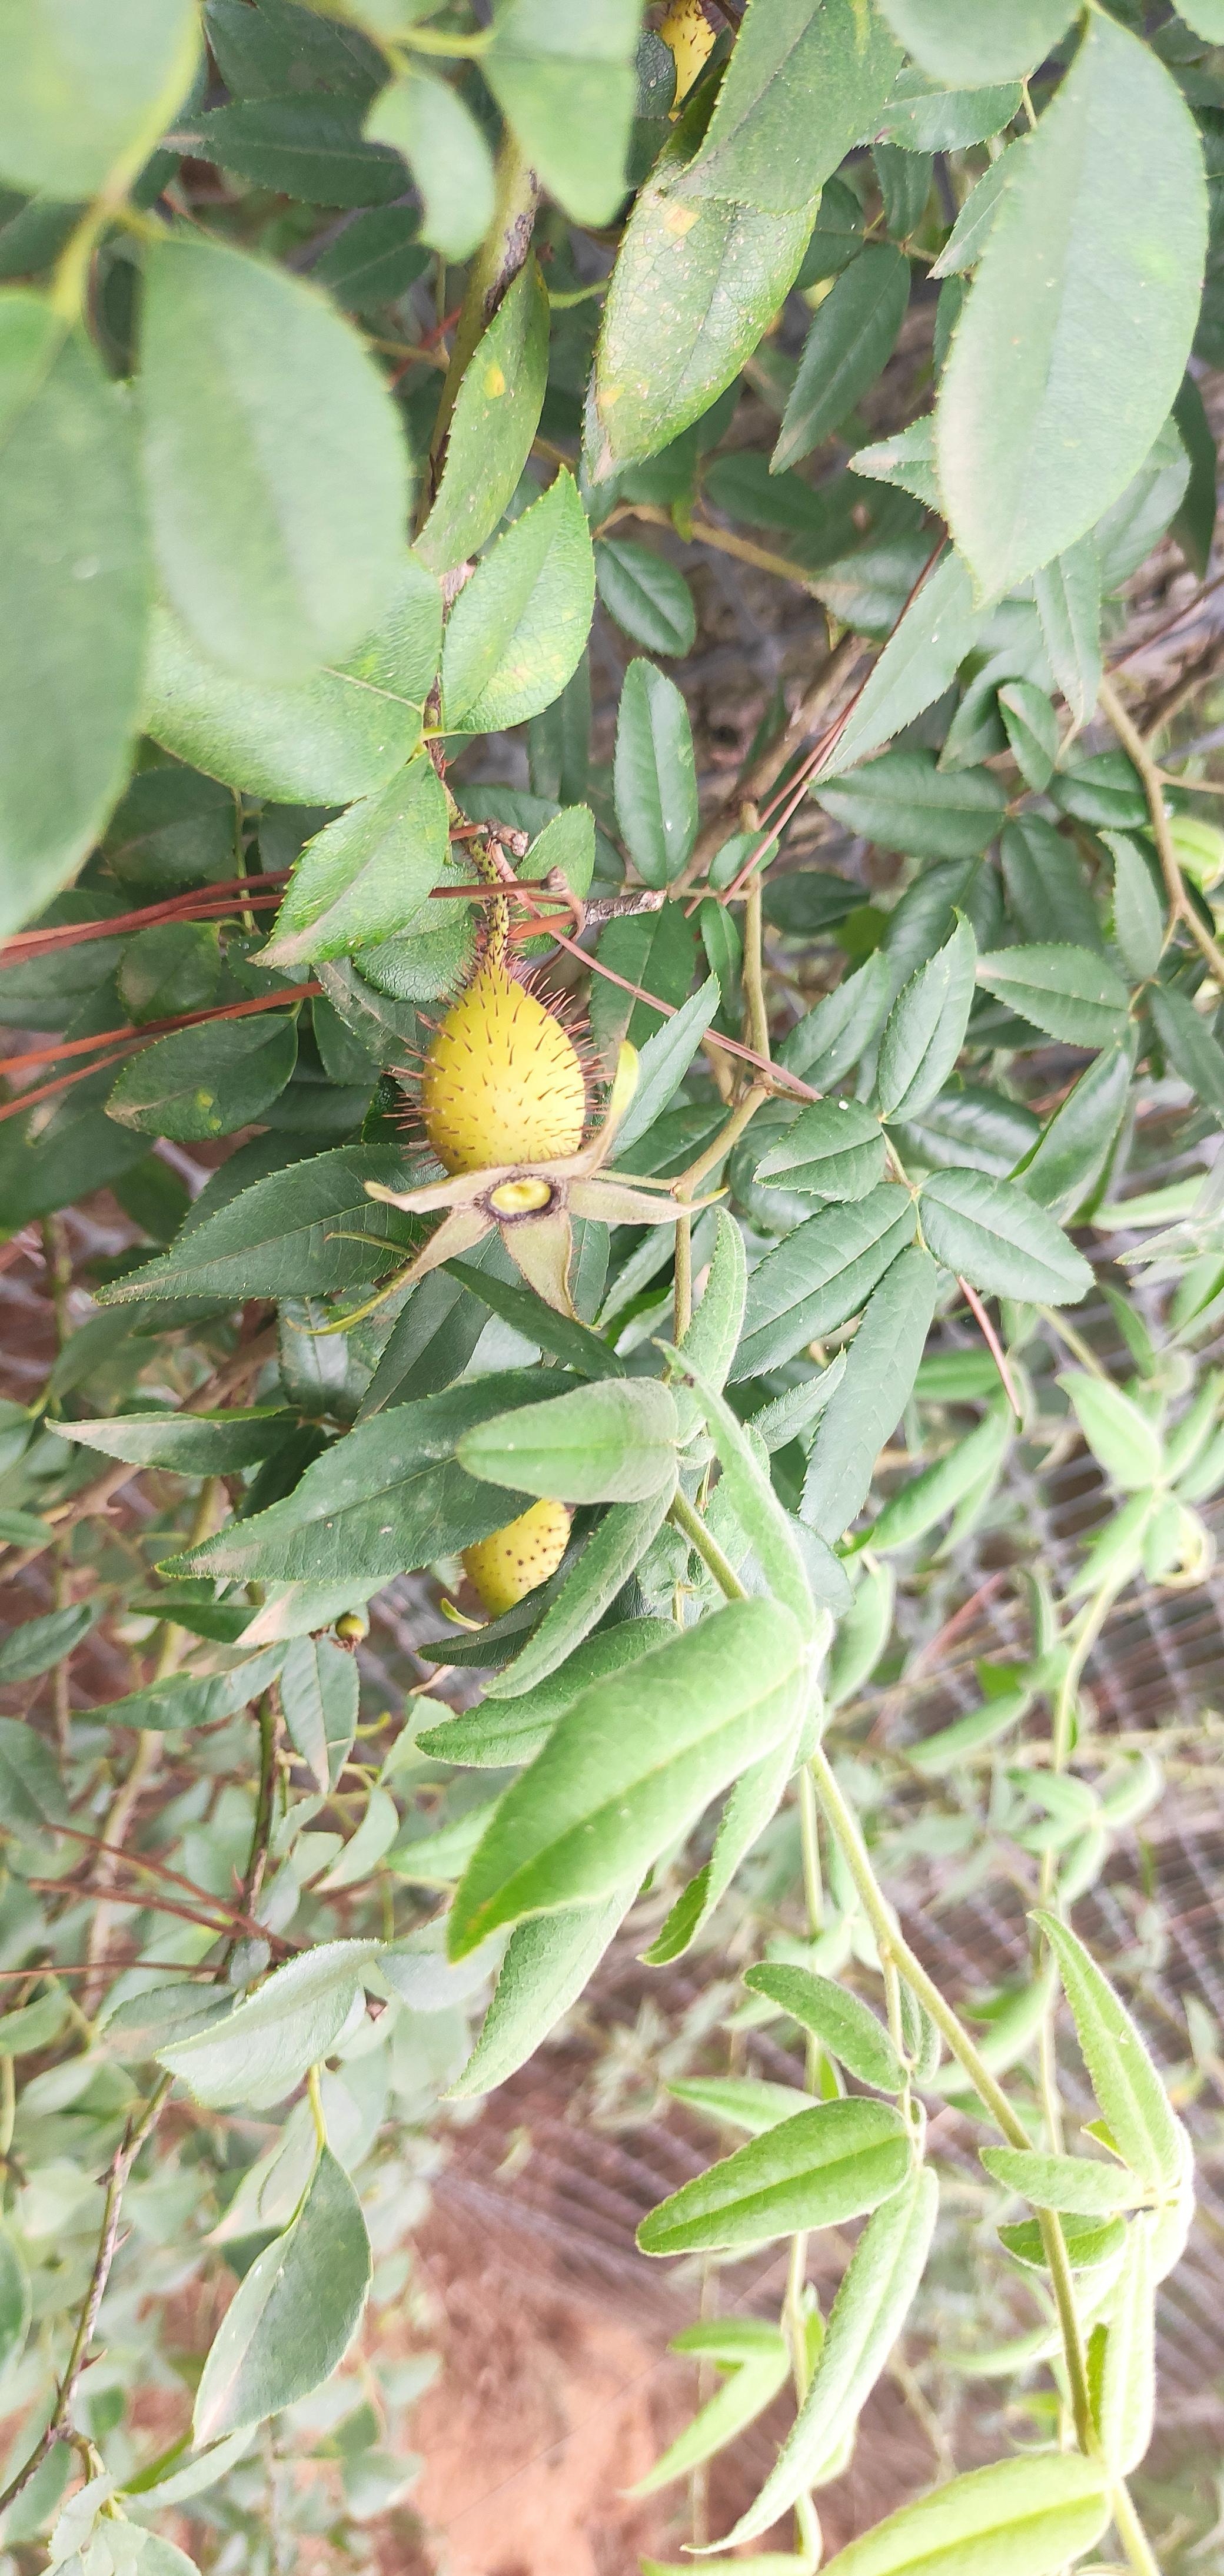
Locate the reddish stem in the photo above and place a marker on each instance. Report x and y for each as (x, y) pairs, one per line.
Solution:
(991, 1339)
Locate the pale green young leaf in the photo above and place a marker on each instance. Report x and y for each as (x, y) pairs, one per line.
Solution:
(936, 1490)
(862, 1635)
(605, 1563)
(667, 1736)
(496, 415)
(1031, 726)
(753, 1801)
(821, 1273)
(84, 95)
(867, 1404)
(518, 628)
(35, 1645)
(16, 2306)
(1023, 2517)
(654, 774)
(839, 2018)
(744, 2396)
(994, 1236)
(276, 469)
(1084, 2185)
(1068, 992)
(1117, 1430)
(295, 2313)
(547, 1964)
(319, 1688)
(762, 1518)
(501, 1733)
(807, 80)
(741, 2101)
(71, 648)
(613, 1442)
(1190, 1046)
(714, 1329)
(814, 2170)
(967, 239)
(264, 2046)
(364, 876)
(871, 2306)
(925, 1029)
(1145, 2130)
(1046, 409)
(427, 122)
(924, 116)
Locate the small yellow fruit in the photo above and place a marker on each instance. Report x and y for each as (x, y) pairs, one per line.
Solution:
(352, 1626)
(516, 1559)
(502, 1082)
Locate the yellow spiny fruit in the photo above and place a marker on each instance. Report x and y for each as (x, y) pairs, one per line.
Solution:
(518, 1558)
(687, 33)
(502, 1082)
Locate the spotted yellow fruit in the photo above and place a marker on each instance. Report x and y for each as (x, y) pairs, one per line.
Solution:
(516, 1559)
(687, 31)
(502, 1082)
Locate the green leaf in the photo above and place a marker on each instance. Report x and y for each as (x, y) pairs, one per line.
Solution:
(814, 2170)
(919, 660)
(1128, 2381)
(193, 1444)
(664, 1061)
(30, 1792)
(1045, 409)
(742, 2101)
(1118, 1432)
(310, 148)
(34, 2026)
(206, 1081)
(873, 2300)
(518, 628)
(389, 1496)
(1145, 2131)
(496, 416)
(16, 2307)
(374, 260)
(277, 475)
(435, 132)
(84, 98)
(1194, 524)
(1031, 727)
(925, 1029)
(648, 597)
(295, 2313)
(318, 1697)
(1021, 2517)
(547, 1964)
(631, 1765)
(904, 802)
(753, 1802)
(925, 117)
(850, 343)
(862, 1635)
(745, 2395)
(991, 40)
(342, 733)
(500, 1734)
(819, 1275)
(1081, 2184)
(937, 1490)
(264, 2046)
(287, 1235)
(608, 1443)
(366, 875)
(180, 1700)
(1067, 1160)
(655, 776)
(695, 283)
(565, 82)
(829, 1039)
(805, 82)
(866, 1405)
(605, 1564)
(768, 1528)
(714, 1330)
(1068, 992)
(1046, 888)
(987, 1230)
(1068, 596)
(1137, 916)
(559, 1334)
(846, 2026)
(71, 648)
(967, 239)
(38, 1644)
(835, 1150)
(1190, 1046)
(983, 1726)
